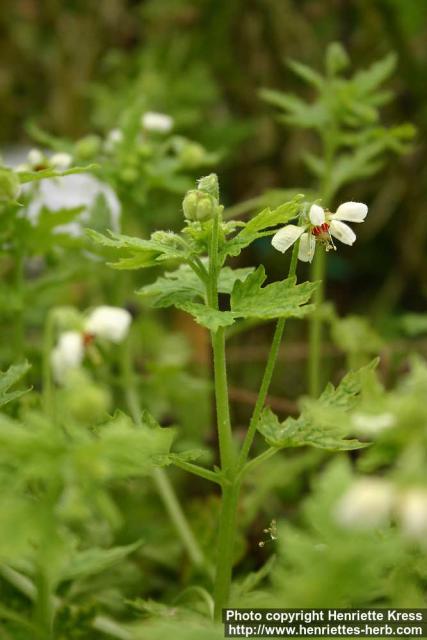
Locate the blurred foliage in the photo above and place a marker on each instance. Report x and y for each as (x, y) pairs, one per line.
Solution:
(72, 74)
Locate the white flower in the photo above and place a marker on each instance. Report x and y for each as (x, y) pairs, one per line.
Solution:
(72, 191)
(413, 514)
(366, 504)
(114, 137)
(61, 161)
(321, 226)
(160, 122)
(370, 424)
(110, 323)
(68, 354)
(35, 158)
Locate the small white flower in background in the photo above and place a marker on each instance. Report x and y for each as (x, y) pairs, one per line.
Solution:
(67, 192)
(160, 122)
(36, 158)
(113, 138)
(321, 226)
(370, 424)
(67, 355)
(366, 504)
(110, 323)
(412, 512)
(60, 161)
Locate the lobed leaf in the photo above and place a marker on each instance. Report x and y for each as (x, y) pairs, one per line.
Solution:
(35, 176)
(323, 422)
(260, 225)
(8, 379)
(284, 299)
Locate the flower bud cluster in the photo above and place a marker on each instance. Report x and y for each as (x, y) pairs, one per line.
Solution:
(202, 204)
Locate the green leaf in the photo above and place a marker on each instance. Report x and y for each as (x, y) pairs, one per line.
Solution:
(210, 318)
(354, 334)
(137, 253)
(370, 79)
(8, 379)
(323, 422)
(34, 176)
(259, 225)
(277, 300)
(130, 450)
(44, 234)
(95, 560)
(297, 112)
(174, 288)
(182, 285)
(414, 324)
(306, 73)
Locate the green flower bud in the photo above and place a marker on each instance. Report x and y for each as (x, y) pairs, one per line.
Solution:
(199, 205)
(88, 147)
(10, 186)
(129, 175)
(191, 155)
(336, 58)
(210, 185)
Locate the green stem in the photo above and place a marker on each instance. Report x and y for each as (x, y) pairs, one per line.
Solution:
(316, 325)
(197, 470)
(159, 476)
(230, 489)
(225, 549)
(177, 517)
(318, 273)
(252, 464)
(43, 607)
(225, 436)
(47, 389)
(268, 373)
(18, 320)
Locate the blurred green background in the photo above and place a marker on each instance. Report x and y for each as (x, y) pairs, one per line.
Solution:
(72, 67)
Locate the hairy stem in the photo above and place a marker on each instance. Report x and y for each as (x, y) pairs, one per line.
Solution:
(268, 373)
(318, 273)
(315, 327)
(225, 548)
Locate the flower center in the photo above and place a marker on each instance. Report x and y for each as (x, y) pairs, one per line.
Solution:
(88, 338)
(321, 231)
(322, 234)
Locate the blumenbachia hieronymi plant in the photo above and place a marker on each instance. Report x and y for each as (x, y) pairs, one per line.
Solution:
(345, 116)
(201, 274)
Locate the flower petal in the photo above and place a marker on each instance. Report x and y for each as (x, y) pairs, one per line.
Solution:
(351, 212)
(109, 323)
(316, 215)
(342, 232)
(286, 237)
(307, 246)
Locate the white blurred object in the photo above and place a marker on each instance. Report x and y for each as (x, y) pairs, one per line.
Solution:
(114, 138)
(413, 514)
(366, 504)
(160, 122)
(370, 424)
(67, 355)
(61, 161)
(35, 157)
(69, 192)
(110, 323)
